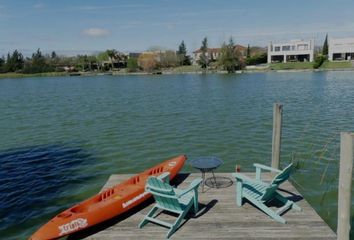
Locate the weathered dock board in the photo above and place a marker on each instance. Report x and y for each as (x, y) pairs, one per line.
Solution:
(218, 218)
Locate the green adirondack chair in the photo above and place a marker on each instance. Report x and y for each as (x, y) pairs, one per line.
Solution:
(260, 193)
(171, 199)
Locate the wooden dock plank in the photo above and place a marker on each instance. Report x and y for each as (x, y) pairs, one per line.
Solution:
(218, 218)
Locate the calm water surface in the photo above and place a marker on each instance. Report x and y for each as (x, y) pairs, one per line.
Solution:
(62, 137)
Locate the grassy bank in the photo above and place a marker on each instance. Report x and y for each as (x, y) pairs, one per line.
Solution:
(291, 66)
(342, 65)
(186, 69)
(336, 65)
(22, 75)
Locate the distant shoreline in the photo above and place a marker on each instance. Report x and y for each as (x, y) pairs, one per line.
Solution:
(163, 72)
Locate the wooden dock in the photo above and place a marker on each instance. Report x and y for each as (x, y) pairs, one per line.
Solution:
(218, 218)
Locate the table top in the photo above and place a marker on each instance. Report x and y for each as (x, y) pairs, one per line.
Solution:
(206, 163)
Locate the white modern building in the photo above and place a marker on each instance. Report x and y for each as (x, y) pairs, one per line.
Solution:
(340, 49)
(293, 51)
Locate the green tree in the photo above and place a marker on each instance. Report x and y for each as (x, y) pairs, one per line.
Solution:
(132, 64)
(53, 55)
(228, 58)
(14, 62)
(37, 64)
(203, 59)
(184, 59)
(103, 56)
(319, 60)
(257, 59)
(2, 64)
(325, 46)
(248, 51)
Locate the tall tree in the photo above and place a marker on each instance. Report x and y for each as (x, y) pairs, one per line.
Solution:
(54, 55)
(325, 46)
(203, 59)
(248, 51)
(14, 62)
(37, 63)
(2, 64)
(228, 58)
(182, 54)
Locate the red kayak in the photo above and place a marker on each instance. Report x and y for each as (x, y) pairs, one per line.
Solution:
(107, 204)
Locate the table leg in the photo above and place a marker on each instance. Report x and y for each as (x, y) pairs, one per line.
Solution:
(216, 184)
(203, 181)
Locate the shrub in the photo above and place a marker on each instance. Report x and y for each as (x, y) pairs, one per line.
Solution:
(257, 59)
(319, 60)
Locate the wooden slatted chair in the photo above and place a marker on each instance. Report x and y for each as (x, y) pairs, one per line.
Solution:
(172, 200)
(260, 193)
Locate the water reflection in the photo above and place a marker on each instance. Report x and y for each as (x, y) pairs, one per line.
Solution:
(32, 178)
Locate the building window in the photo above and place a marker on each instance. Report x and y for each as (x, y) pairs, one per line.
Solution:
(286, 48)
(293, 48)
(276, 49)
(303, 47)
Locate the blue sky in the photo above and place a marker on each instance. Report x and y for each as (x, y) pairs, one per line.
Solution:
(77, 26)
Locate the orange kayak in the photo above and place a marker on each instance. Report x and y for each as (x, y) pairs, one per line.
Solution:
(107, 204)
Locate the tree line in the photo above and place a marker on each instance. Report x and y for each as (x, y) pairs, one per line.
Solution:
(103, 61)
(229, 59)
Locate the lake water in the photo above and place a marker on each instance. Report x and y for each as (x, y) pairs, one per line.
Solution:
(62, 137)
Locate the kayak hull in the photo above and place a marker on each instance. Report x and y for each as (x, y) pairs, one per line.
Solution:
(107, 204)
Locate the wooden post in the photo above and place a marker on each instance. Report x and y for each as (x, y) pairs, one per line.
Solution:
(345, 185)
(277, 122)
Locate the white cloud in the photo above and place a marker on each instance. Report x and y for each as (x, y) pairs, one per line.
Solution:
(95, 32)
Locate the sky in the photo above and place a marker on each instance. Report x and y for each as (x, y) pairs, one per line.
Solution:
(72, 27)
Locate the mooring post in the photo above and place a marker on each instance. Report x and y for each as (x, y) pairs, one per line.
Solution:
(277, 122)
(345, 185)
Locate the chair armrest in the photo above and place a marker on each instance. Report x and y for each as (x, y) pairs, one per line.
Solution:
(165, 177)
(259, 168)
(242, 178)
(193, 186)
(264, 167)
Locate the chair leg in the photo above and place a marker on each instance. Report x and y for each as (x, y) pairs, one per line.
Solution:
(271, 213)
(150, 214)
(176, 224)
(296, 207)
(195, 201)
(285, 201)
(239, 193)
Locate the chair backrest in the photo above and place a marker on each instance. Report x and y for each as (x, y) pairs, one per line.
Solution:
(277, 180)
(269, 192)
(163, 193)
(283, 175)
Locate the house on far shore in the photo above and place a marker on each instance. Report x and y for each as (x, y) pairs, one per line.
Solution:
(134, 54)
(340, 49)
(214, 53)
(293, 51)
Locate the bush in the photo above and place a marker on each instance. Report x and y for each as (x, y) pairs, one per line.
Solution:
(132, 64)
(257, 59)
(319, 60)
